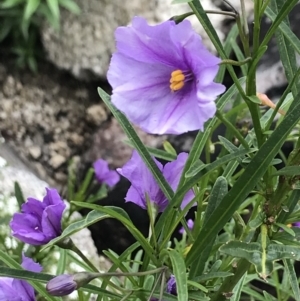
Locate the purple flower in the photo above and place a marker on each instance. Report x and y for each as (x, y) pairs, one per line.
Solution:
(162, 77)
(104, 174)
(16, 289)
(39, 222)
(171, 286)
(190, 224)
(297, 224)
(61, 285)
(143, 182)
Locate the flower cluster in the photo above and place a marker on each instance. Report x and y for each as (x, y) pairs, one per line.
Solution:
(163, 80)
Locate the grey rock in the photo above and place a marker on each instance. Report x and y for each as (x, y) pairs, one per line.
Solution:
(96, 114)
(85, 43)
(35, 151)
(57, 160)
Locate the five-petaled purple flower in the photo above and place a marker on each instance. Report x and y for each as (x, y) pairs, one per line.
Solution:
(104, 174)
(39, 222)
(190, 224)
(19, 290)
(162, 77)
(143, 183)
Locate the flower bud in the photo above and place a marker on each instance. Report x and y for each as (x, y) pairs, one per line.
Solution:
(61, 285)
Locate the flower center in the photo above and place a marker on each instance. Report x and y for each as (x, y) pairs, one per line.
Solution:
(178, 79)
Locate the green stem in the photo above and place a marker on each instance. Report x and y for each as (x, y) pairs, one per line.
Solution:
(68, 244)
(236, 63)
(234, 130)
(84, 258)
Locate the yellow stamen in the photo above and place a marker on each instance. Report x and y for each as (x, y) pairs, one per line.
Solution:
(177, 80)
(176, 86)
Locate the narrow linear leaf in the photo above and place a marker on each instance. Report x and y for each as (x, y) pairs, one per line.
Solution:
(179, 270)
(30, 8)
(286, 30)
(238, 289)
(54, 8)
(288, 171)
(289, 267)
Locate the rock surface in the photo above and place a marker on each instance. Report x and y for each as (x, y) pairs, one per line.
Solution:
(85, 43)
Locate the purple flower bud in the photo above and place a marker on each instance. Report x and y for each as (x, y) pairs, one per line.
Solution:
(39, 222)
(104, 174)
(297, 224)
(65, 284)
(190, 224)
(61, 285)
(171, 286)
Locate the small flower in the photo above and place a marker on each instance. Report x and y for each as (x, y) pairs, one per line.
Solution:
(65, 284)
(296, 224)
(143, 183)
(61, 285)
(190, 224)
(39, 222)
(19, 290)
(162, 77)
(104, 174)
(171, 286)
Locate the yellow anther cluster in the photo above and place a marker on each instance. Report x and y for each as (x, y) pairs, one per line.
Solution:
(176, 80)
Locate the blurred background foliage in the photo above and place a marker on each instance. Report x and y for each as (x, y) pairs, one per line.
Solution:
(20, 21)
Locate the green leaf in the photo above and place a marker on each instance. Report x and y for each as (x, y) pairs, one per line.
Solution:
(54, 8)
(218, 191)
(254, 99)
(10, 3)
(268, 297)
(198, 286)
(244, 184)
(71, 6)
(143, 152)
(286, 50)
(61, 265)
(286, 229)
(30, 8)
(238, 289)
(286, 30)
(169, 148)
(288, 171)
(214, 275)
(283, 13)
(179, 270)
(291, 204)
(122, 216)
(91, 218)
(19, 194)
(262, 260)
(289, 267)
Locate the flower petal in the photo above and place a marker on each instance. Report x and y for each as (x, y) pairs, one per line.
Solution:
(142, 181)
(173, 171)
